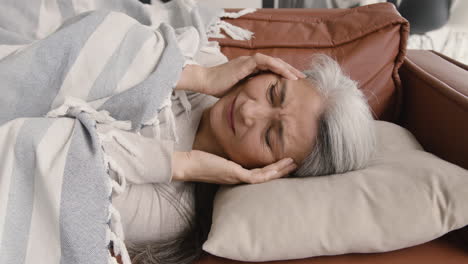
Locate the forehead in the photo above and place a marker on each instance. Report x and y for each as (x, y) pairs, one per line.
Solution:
(303, 106)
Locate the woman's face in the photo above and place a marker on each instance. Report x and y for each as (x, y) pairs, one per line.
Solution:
(267, 118)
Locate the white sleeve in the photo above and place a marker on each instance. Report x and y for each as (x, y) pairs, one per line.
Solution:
(140, 159)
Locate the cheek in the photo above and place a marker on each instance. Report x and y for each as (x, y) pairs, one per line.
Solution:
(247, 152)
(216, 122)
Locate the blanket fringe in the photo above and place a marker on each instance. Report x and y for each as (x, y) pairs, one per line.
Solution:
(235, 32)
(117, 186)
(182, 96)
(118, 247)
(78, 104)
(168, 116)
(111, 259)
(114, 230)
(120, 185)
(114, 217)
(155, 123)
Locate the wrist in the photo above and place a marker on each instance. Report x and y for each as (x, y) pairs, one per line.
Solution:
(179, 166)
(192, 78)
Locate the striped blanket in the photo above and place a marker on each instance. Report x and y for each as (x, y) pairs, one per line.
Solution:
(64, 66)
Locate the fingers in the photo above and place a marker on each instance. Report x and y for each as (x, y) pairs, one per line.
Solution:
(279, 165)
(277, 65)
(290, 168)
(273, 174)
(273, 171)
(296, 72)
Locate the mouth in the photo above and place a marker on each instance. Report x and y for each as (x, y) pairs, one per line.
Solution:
(230, 115)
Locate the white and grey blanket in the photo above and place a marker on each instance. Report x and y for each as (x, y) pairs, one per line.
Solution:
(65, 65)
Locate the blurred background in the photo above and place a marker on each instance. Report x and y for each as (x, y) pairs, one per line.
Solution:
(440, 25)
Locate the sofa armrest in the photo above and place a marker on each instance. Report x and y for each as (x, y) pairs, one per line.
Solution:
(435, 104)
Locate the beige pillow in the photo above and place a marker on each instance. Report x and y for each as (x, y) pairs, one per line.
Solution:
(405, 197)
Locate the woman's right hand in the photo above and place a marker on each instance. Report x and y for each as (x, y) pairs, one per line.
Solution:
(202, 166)
(221, 78)
(218, 80)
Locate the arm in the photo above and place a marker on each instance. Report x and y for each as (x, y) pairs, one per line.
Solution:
(147, 160)
(139, 159)
(217, 80)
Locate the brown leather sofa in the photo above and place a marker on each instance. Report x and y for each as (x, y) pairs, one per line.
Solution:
(424, 91)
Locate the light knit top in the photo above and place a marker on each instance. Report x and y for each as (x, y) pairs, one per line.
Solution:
(152, 206)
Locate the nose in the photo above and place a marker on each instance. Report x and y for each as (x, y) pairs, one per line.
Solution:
(252, 111)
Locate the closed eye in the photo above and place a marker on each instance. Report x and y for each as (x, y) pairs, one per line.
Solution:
(271, 93)
(272, 90)
(267, 137)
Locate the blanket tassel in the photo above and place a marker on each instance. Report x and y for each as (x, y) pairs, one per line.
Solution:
(235, 32)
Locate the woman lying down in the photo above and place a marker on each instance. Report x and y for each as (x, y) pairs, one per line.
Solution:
(247, 121)
(241, 128)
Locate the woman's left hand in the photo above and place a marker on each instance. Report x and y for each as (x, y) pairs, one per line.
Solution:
(218, 80)
(200, 166)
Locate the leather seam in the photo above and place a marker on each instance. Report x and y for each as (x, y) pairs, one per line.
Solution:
(289, 18)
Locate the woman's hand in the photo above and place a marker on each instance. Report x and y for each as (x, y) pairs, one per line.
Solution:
(218, 80)
(202, 166)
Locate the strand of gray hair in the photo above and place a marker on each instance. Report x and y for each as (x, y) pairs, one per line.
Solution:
(345, 139)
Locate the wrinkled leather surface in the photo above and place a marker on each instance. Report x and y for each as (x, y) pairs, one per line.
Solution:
(367, 41)
(435, 104)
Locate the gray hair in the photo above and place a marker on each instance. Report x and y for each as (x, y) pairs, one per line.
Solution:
(345, 138)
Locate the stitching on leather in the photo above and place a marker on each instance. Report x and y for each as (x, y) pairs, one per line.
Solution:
(332, 44)
(399, 60)
(307, 20)
(287, 18)
(310, 44)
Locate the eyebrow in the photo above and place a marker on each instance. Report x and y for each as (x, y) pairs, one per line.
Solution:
(283, 92)
(281, 127)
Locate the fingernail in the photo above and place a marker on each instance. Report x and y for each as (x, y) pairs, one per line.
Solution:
(289, 160)
(303, 75)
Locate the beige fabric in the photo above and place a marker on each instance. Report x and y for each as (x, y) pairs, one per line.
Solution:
(153, 207)
(148, 160)
(405, 197)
